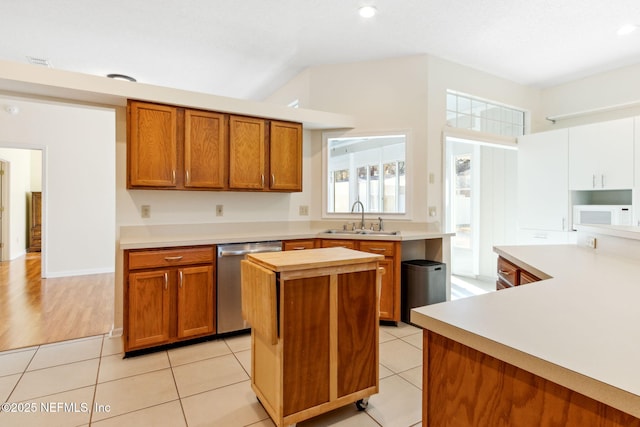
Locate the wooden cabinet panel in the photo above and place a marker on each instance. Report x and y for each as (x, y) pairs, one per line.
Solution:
(356, 373)
(336, 243)
(296, 245)
(507, 272)
(285, 156)
(196, 301)
(169, 257)
(169, 295)
(149, 302)
(390, 290)
(305, 311)
(35, 228)
(152, 156)
(526, 277)
(246, 153)
(204, 150)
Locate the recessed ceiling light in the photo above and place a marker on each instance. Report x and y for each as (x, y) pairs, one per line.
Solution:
(367, 11)
(627, 29)
(121, 77)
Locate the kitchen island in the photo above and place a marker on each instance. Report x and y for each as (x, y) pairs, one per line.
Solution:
(314, 336)
(562, 351)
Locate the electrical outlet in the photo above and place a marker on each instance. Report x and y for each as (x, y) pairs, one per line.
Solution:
(432, 211)
(219, 210)
(145, 211)
(303, 210)
(591, 242)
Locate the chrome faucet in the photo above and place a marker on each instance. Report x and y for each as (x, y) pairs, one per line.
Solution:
(362, 207)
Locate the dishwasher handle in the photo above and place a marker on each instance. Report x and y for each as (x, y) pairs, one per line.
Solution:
(224, 253)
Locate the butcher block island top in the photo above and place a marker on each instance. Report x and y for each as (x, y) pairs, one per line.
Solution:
(312, 258)
(314, 318)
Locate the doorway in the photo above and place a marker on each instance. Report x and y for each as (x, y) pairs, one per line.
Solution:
(480, 195)
(21, 202)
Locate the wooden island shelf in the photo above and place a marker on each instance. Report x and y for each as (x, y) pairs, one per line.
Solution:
(314, 336)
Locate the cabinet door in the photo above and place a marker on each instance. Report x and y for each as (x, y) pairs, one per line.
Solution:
(543, 190)
(204, 150)
(285, 156)
(149, 305)
(601, 155)
(387, 291)
(196, 303)
(246, 153)
(152, 146)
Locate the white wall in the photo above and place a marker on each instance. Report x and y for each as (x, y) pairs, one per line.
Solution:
(18, 176)
(401, 93)
(79, 171)
(597, 93)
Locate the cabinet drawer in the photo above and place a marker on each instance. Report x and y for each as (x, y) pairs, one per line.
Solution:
(296, 245)
(334, 243)
(378, 247)
(526, 277)
(507, 272)
(170, 257)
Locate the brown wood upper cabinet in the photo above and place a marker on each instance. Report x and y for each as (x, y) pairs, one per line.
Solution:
(264, 155)
(175, 148)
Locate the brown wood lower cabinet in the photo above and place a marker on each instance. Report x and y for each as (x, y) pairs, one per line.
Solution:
(465, 387)
(390, 292)
(169, 295)
(510, 275)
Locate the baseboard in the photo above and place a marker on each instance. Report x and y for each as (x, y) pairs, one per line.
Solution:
(50, 275)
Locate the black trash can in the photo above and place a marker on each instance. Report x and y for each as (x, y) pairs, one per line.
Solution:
(423, 283)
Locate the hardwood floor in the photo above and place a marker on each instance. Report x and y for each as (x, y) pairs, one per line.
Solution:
(37, 311)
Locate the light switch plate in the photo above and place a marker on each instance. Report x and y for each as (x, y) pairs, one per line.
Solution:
(219, 210)
(303, 210)
(145, 211)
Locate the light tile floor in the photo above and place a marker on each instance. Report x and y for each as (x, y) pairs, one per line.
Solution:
(87, 382)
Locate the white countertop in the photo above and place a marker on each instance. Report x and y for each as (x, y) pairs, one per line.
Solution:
(580, 328)
(141, 237)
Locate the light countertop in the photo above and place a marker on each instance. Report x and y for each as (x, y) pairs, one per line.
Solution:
(579, 328)
(141, 237)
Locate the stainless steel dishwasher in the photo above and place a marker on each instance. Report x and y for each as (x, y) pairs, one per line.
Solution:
(229, 299)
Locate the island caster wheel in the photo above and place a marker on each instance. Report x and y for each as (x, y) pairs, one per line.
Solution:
(362, 404)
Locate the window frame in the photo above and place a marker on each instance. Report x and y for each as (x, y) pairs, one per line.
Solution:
(326, 136)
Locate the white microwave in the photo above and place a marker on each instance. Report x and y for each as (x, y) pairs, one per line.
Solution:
(602, 214)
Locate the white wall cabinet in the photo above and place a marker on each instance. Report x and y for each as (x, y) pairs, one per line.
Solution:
(601, 155)
(543, 181)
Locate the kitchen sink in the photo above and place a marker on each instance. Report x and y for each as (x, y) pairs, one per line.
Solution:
(369, 232)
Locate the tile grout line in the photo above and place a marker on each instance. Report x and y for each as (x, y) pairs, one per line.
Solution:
(24, 371)
(175, 383)
(95, 386)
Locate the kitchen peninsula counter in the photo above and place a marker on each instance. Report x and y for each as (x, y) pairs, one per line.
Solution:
(579, 328)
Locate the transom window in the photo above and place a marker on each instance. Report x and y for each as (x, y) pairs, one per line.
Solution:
(468, 112)
(369, 169)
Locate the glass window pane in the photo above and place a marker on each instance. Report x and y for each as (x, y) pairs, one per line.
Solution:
(355, 171)
(390, 182)
(478, 108)
(452, 102)
(464, 105)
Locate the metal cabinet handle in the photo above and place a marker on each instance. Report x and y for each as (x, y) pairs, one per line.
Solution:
(173, 258)
(602, 180)
(188, 178)
(273, 179)
(166, 281)
(563, 223)
(378, 249)
(298, 248)
(262, 178)
(173, 176)
(593, 181)
(504, 272)
(180, 277)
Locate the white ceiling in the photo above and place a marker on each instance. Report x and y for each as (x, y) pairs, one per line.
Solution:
(248, 48)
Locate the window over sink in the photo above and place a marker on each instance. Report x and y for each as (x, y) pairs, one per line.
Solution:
(370, 169)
